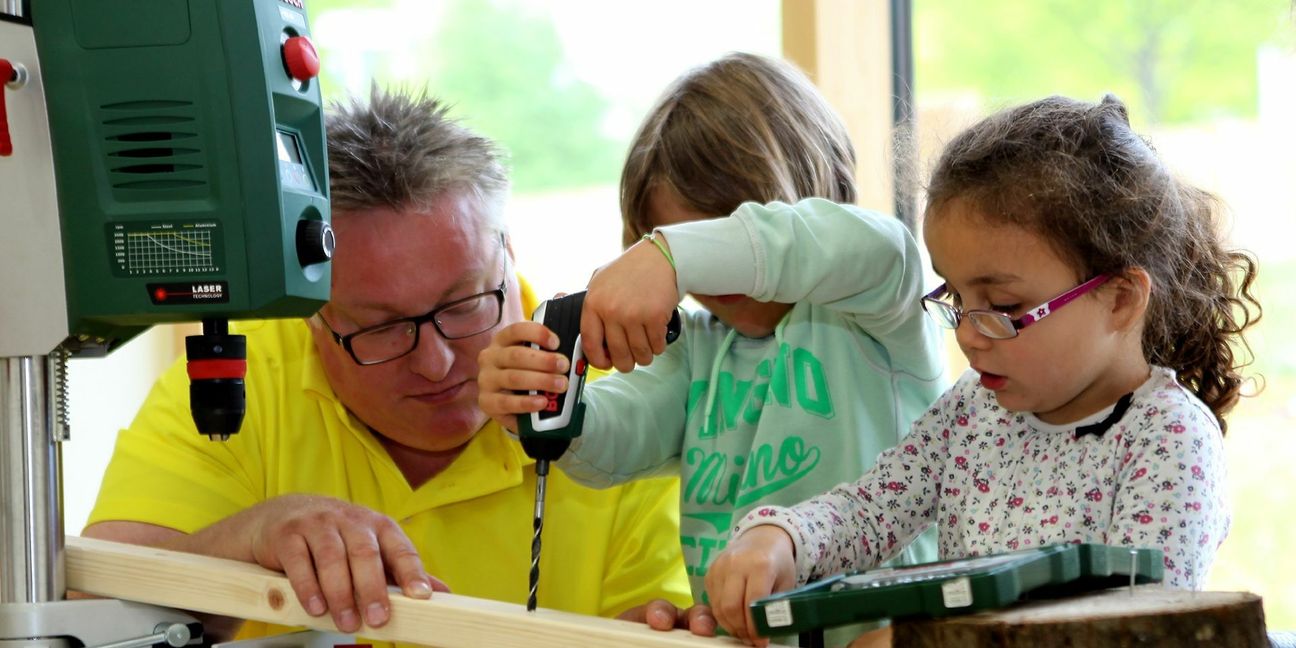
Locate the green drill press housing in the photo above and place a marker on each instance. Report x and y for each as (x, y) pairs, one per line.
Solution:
(187, 159)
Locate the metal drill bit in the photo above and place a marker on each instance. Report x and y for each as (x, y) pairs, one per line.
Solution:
(542, 476)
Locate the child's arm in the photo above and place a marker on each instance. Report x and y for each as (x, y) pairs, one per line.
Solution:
(628, 305)
(861, 524)
(1171, 492)
(858, 262)
(853, 526)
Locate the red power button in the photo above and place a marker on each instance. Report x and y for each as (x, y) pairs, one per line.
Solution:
(300, 58)
(6, 75)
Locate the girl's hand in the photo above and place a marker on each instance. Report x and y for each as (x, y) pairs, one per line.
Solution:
(627, 306)
(758, 563)
(509, 367)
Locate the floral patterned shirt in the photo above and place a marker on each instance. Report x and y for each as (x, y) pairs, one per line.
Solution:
(995, 481)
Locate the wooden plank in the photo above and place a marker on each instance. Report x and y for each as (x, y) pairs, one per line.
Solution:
(844, 46)
(241, 590)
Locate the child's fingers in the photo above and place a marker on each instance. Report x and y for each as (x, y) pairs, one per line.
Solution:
(726, 594)
(526, 332)
(657, 339)
(618, 348)
(759, 585)
(734, 612)
(592, 340)
(714, 581)
(510, 367)
(521, 380)
(497, 399)
(520, 367)
(640, 345)
(502, 405)
(527, 359)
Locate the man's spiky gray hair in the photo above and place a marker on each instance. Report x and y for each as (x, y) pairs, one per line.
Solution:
(402, 151)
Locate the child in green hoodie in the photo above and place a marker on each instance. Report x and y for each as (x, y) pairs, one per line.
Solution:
(813, 354)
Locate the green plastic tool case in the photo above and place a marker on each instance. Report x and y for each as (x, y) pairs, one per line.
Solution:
(954, 587)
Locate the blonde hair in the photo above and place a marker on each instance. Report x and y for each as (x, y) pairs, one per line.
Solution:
(741, 128)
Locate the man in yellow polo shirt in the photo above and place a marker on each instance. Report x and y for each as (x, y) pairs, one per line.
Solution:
(364, 458)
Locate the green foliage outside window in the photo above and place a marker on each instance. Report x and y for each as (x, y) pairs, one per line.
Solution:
(1170, 60)
(501, 67)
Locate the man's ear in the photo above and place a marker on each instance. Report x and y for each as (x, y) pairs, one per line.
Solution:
(1131, 290)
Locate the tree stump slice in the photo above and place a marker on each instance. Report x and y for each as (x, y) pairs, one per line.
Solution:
(1152, 615)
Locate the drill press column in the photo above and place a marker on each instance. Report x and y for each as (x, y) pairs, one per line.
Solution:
(33, 321)
(31, 520)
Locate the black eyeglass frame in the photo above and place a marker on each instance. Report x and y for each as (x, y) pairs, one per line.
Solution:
(418, 321)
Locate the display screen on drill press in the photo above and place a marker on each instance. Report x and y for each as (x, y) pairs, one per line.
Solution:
(546, 435)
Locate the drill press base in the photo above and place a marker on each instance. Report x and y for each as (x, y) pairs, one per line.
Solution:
(92, 622)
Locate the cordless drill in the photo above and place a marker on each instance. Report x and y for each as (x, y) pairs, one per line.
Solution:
(547, 434)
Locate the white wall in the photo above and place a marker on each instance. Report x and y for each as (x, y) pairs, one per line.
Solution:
(103, 394)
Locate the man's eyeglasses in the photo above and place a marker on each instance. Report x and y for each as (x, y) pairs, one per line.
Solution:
(996, 325)
(456, 320)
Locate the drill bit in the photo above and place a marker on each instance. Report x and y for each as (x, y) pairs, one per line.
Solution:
(542, 476)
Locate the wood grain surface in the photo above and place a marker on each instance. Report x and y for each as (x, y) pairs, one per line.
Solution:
(241, 590)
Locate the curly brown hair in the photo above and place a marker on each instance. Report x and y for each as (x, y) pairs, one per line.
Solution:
(741, 128)
(1077, 175)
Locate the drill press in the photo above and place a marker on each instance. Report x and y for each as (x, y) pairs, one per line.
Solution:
(160, 161)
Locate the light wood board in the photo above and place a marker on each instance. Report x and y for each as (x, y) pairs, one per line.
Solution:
(241, 590)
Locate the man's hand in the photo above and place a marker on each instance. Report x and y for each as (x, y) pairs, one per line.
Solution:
(627, 307)
(754, 565)
(661, 614)
(509, 367)
(338, 556)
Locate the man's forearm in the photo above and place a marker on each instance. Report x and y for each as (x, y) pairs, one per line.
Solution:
(227, 538)
(215, 628)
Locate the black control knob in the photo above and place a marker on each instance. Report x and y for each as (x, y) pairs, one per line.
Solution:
(315, 242)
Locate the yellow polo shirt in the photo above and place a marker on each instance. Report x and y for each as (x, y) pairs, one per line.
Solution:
(604, 550)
